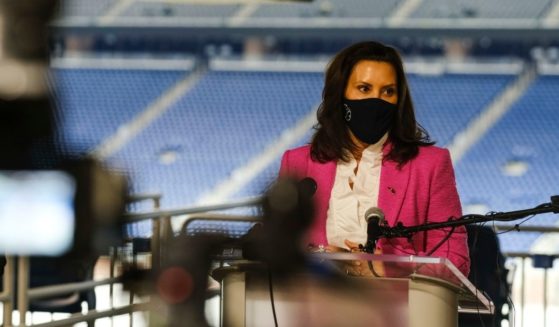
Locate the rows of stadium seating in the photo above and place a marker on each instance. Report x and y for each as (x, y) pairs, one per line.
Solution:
(96, 102)
(186, 10)
(84, 8)
(481, 9)
(526, 135)
(445, 104)
(349, 8)
(229, 117)
(220, 124)
(317, 8)
(226, 119)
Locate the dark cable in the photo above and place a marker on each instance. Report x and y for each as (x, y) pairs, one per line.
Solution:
(441, 242)
(508, 289)
(432, 250)
(516, 226)
(499, 280)
(272, 297)
(474, 269)
(427, 254)
(404, 251)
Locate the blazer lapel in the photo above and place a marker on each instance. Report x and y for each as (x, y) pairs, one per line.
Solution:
(393, 186)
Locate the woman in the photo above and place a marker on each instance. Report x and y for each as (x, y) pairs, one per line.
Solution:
(369, 151)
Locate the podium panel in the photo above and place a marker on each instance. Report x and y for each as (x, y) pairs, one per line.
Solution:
(432, 305)
(414, 292)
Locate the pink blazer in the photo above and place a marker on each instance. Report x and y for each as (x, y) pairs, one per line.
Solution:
(423, 190)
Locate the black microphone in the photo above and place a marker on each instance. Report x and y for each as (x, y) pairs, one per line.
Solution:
(374, 218)
(307, 187)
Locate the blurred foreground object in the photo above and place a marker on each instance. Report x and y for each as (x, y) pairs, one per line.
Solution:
(288, 213)
(44, 194)
(26, 122)
(179, 286)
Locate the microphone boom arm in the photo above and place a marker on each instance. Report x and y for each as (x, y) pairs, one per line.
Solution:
(401, 231)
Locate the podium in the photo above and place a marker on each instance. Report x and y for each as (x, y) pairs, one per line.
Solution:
(406, 291)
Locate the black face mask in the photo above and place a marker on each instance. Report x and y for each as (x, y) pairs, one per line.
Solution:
(369, 119)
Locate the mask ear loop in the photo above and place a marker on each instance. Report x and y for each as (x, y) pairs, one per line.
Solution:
(347, 115)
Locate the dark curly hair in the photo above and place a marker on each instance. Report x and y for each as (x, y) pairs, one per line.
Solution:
(331, 140)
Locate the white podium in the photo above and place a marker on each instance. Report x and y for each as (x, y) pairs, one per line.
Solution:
(410, 291)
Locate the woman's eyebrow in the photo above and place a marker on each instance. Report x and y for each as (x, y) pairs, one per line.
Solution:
(363, 82)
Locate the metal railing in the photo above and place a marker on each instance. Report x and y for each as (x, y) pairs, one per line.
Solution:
(25, 294)
(521, 262)
(161, 221)
(160, 230)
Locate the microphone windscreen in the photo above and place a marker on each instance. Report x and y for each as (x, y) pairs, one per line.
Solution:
(374, 212)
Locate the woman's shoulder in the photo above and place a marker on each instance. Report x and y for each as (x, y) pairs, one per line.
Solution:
(432, 150)
(432, 160)
(295, 161)
(432, 153)
(301, 151)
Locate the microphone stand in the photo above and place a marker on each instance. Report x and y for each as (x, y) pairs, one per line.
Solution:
(401, 231)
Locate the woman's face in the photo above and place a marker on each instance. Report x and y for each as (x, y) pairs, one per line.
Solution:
(372, 79)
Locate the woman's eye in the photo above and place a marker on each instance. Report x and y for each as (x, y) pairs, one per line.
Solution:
(390, 91)
(363, 88)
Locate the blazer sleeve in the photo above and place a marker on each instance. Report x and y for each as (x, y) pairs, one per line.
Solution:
(294, 163)
(284, 167)
(444, 203)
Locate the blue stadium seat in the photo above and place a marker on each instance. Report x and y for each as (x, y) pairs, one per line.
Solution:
(527, 134)
(445, 104)
(346, 8)
(267, 176)
(225, 120)
(84, 8)
(175, 9)
(481, 9)
(94, 103)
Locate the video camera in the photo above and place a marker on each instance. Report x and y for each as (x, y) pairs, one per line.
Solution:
(51, 202)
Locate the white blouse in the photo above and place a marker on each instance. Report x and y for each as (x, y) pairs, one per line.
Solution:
(347, 206)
